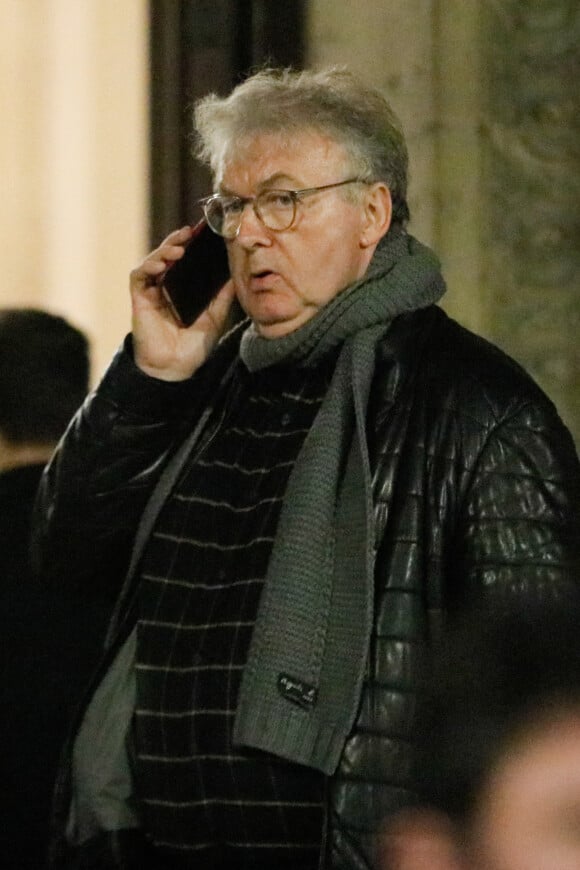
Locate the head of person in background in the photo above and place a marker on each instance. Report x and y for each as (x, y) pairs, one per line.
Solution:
(498, 760)
(44, 377)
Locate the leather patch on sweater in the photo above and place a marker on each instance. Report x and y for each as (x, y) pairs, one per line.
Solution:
(297, 691)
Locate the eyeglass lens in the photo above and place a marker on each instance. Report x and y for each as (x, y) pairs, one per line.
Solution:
(275, 208)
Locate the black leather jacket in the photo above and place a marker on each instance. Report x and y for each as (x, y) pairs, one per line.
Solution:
(476, 489)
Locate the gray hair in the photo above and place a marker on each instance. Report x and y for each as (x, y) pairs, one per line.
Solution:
(332, 102)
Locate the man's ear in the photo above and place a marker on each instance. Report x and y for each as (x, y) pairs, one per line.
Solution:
(419, 839)
(378, 210)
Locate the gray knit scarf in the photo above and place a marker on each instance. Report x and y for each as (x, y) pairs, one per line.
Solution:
(303, 679)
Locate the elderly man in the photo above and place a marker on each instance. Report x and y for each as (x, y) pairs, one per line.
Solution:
(293, 505)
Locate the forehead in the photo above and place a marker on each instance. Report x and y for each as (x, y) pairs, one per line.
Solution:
(304, 157)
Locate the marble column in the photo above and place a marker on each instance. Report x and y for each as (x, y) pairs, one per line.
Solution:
(531, 175)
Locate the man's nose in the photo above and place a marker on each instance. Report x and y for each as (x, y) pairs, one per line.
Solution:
(252, 231)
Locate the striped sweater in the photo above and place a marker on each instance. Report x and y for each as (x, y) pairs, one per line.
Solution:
(202, 575)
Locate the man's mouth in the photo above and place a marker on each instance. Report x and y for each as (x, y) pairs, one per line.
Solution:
(261, 279)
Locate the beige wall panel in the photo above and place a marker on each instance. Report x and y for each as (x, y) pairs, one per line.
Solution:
(460, 208)
(74, 159)
(390, 44)
(22, 63)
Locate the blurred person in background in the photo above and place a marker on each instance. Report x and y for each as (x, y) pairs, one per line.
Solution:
(44, 378)
(497, 764)
(288, 510)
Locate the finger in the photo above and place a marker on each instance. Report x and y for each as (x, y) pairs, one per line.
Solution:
(157, 263)
(178, 237)
(170, 249)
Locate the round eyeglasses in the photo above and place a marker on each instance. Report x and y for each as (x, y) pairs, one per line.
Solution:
(276, 209)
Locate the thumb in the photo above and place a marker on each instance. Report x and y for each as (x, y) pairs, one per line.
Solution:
(220, 306)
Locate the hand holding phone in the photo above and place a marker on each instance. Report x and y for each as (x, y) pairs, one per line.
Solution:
(192, 282)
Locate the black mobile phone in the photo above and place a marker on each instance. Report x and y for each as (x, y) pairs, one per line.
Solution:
(191, 283)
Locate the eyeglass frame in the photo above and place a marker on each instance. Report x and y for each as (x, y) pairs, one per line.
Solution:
(295, 196)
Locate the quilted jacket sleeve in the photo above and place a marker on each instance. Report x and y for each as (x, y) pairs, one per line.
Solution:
(518, 519)
(94, 489)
